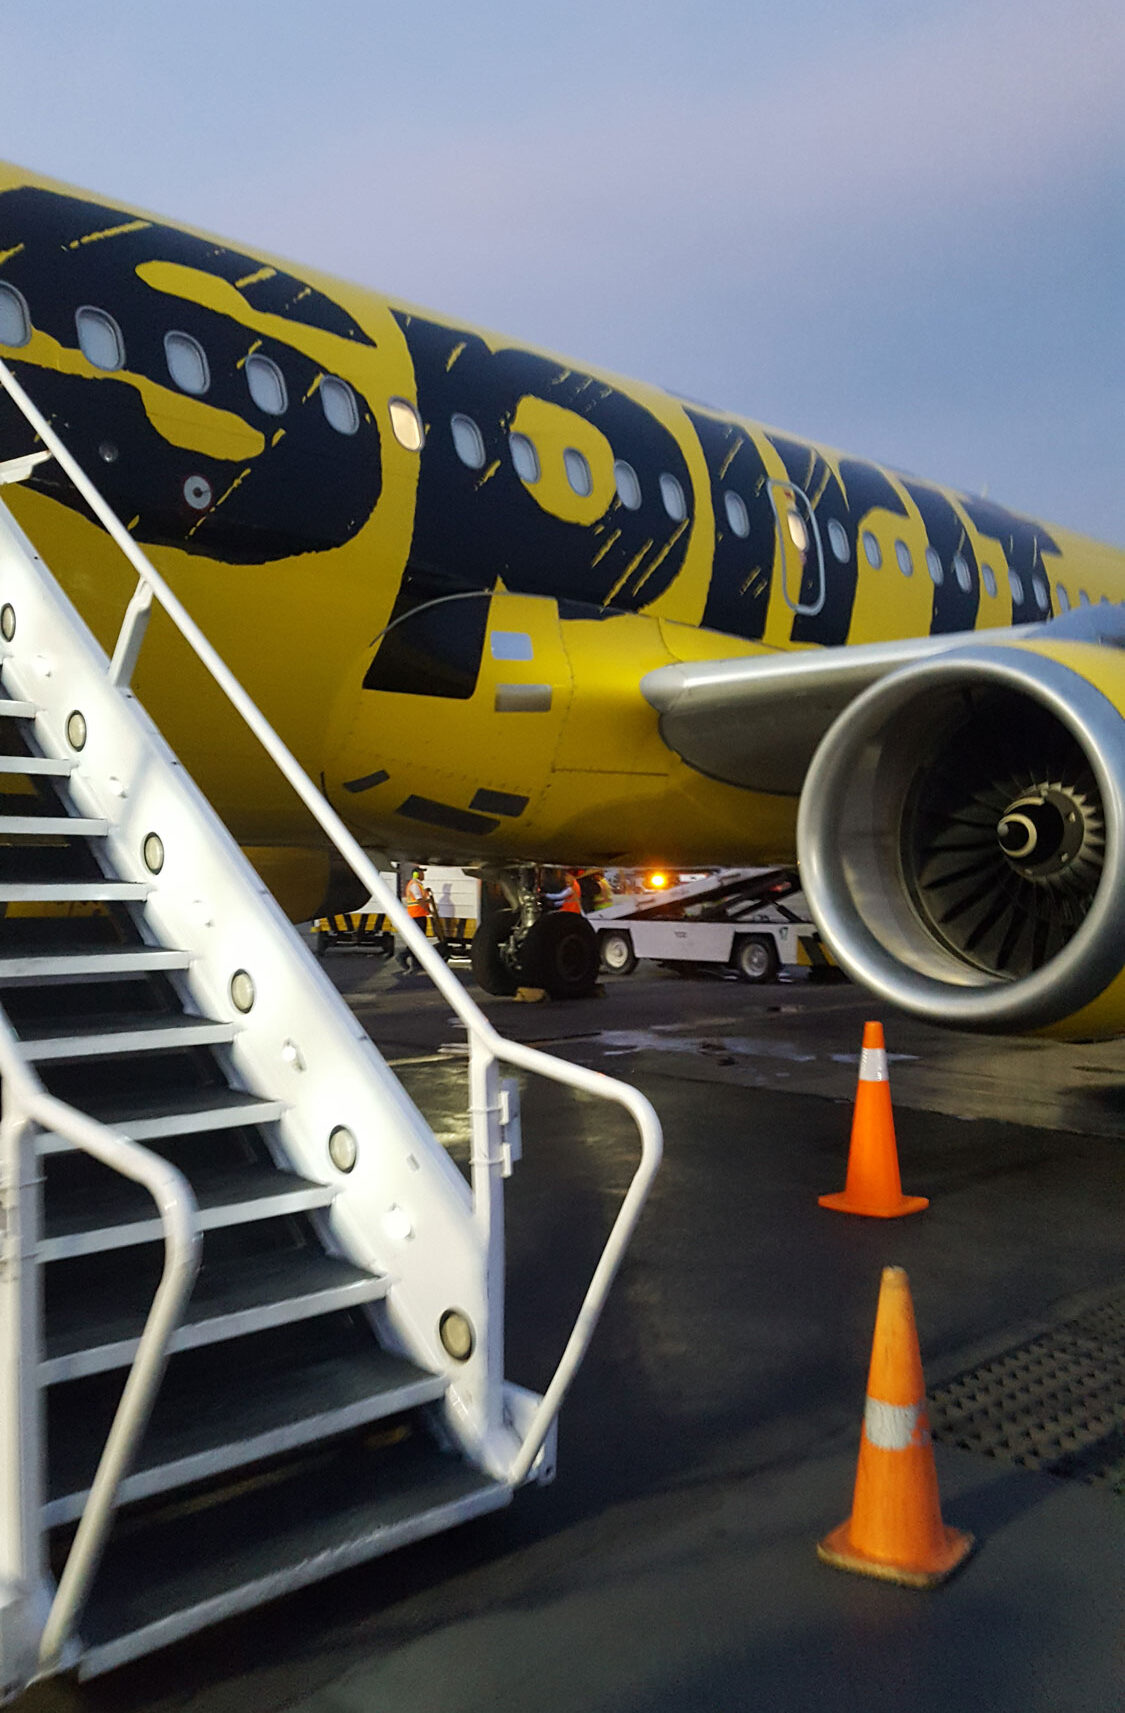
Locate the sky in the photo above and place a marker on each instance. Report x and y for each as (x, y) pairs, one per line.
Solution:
(898, 230)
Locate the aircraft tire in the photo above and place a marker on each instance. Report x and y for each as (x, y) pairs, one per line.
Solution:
(489, 969)
(616, 951)
(755, 958)
(560, 954)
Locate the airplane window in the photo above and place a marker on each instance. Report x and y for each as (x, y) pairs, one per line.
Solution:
(838, 540)
(99, 338)
(988, 578)
(935, 567)
(187, 362)
(673, 496)
(1064, 597)
(1015, 584)
(267, 384)
(338, 403)
(905, 563)
(798, 534)
(737, 515)
(407, 424)
(468, 441)
(872, 549)
(15, 323)
(964, 576)
(1042, 598)
(578, 472)
(628, 487)
(525, 459)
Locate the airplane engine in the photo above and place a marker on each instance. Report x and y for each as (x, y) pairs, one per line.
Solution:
(962, 839)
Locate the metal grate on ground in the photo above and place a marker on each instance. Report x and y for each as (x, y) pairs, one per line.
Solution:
(1055, 1403)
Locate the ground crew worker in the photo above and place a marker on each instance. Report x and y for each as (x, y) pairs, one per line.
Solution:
(417, 900)
(572, 899)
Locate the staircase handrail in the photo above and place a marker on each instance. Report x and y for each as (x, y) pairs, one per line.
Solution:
(178, 1210)
(485, 1042)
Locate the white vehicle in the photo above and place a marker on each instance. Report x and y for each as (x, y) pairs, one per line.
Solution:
(751, 920)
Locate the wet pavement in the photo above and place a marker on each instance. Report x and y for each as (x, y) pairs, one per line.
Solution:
(711, 1437)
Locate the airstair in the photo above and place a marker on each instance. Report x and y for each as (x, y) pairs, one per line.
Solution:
(251, 1314)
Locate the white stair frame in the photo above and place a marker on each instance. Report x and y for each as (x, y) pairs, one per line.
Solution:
(404, 1211)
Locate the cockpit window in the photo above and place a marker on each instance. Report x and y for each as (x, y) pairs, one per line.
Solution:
(468, 441)
(99, 338)
(338, 403)
(267, 384)
(15, 322)
(407, 424)
(187, 362)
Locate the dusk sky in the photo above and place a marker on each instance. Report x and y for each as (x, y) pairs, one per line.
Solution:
(898, 230)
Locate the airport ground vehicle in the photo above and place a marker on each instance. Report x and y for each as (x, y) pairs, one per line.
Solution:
(750, 921)
(456, 898)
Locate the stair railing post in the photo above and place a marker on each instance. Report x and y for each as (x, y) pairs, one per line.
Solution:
(24, 1592)
(487, 1167)
(131, 635)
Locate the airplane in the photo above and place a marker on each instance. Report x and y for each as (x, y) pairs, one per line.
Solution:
(511, 611)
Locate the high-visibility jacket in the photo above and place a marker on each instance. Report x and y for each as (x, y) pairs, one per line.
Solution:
(416, 901)
(573, 899)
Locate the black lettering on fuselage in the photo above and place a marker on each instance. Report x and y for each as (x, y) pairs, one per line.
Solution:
(738, 597)
(310, 489)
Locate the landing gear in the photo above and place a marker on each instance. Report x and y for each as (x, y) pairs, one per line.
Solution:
(486, 954)
(522, 942)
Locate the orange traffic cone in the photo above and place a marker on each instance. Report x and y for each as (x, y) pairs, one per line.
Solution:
(895, 1530)
(873, 1185)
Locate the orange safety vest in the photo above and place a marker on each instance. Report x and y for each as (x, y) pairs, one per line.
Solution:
(416, 900)
(573, 900)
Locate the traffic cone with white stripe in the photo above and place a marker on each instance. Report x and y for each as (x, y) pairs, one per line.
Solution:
(873, 1186)
(895, 1530)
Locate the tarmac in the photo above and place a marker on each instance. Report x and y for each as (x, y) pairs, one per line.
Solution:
(710, 1440)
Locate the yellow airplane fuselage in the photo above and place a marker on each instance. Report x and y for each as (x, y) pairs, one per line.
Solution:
(441, 563)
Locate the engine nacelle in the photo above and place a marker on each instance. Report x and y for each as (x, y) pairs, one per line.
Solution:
(961, 838)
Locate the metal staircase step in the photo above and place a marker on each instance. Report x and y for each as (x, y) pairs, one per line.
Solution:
(119, 1213)
(89, 1332)
(209, 1421)
(27, 765)
(72, 891)
(158, 1584)
(89, 826)
(101, 1037)
(95, 961)
(185, 1115)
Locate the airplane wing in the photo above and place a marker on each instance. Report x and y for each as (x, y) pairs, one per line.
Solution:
(756, 721)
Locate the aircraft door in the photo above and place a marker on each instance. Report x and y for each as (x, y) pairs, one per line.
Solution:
(799, 548)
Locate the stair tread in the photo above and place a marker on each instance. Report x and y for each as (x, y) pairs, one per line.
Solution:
(88, 826)
(118, 1201)
(84, 1327)
(72, 891)
(121, 1033)
(90, 960)
(181, 1573)
(227, 1423)
(150, 1118)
